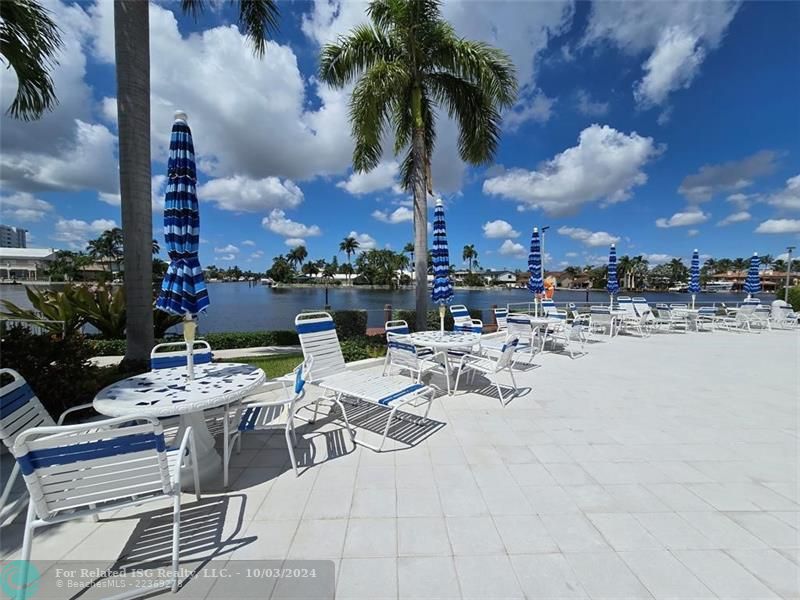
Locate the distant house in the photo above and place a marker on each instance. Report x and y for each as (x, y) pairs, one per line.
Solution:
(24, 263)
(504, 278)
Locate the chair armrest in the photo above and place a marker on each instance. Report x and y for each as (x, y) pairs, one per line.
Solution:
(72, 410)
(187, 442)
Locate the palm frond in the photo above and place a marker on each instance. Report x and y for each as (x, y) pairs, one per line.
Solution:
(350, 56)
(258, 18)
(477, 115)
(29, 43)
(375, 92)
(480, 64)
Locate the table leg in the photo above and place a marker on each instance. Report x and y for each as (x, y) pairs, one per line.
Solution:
(209, 462)
(447, 370)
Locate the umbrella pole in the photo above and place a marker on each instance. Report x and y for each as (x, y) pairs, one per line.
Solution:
(692, 301)
(441, 316)
(189, 330)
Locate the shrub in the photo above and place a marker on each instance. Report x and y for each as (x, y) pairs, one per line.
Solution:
(410, 317)
(794, 297)
(218, 341)
(58, 370)
(360, 348)
(350, 323)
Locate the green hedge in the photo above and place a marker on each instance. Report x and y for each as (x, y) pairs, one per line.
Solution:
(218, 341)
(372, 346)
(794, 297)
(410, 317)
(350, 323)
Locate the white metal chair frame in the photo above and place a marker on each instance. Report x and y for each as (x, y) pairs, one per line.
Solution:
(600, 318)
(633, 320)
(501, 318)
(560, 331)
(405, 356)
(491, 368)
(21, 409)
(159, 359)
(671, 319)
(258, 414)
(75, 471)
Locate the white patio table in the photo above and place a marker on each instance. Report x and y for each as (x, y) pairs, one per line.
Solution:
(168, 392)
(445, 341)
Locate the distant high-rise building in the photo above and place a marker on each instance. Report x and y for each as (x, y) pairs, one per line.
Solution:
(13, 237)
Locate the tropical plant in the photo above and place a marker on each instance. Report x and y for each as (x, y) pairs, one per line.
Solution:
(766, 260)
(67, 265)
(409, 249)
(29, 43)
(779, 265)
(469, 254)
(280, 271)
(310, 269)
(406, 63)
(349, 246)
(104, 309)
(379, 267)
(132, 58)
(58, 308)
(156, 247)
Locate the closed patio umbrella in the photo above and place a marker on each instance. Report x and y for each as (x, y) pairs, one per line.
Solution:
(752, 285)
(183, 291)
(694, 276)
(535, 283)
(612, 285)
(442, 291)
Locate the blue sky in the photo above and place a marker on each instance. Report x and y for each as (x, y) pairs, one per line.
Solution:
(663, 127)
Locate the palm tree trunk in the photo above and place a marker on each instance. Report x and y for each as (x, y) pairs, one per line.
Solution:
(132, 52)
(420, 228)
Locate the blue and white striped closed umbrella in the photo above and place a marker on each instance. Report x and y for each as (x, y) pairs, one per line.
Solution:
(752, 285)
(535, 283)
(612, 285)
(694, 275)
(442, 291)
(183, 291)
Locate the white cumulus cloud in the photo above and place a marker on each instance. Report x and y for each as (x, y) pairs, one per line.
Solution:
(657, 259)
(727, 177)
(513, 249)
(499, 229)
(277, 222)
(24, 207)
(382, 177)
(294, 242)
(589, 238)
(365, 240)
(789, 197)
(589, 107)
(229, 249)
(683, 219)
(242, 194)
(398, 215)
(779, 226)
(737, 217)
(76, 232)
(605, 166)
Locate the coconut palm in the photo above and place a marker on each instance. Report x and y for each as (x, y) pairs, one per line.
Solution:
(132, 56)
(469, 254)
(29, 43)
(407, 62)
(156, 247)
(766, 260)
(349, 245)
(107, 247)
(296, 256)
(409, 249)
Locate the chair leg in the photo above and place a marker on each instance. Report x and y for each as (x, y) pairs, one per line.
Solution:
(226, 450)
(458, 376)
(499, 390)
(176, 538)
(513, 381)
(337, 399)
(27, 543)
(287, 434)
(195, 468)
(386, 429)
(9, 485)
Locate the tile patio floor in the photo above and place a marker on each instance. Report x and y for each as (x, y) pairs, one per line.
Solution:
(657, 468)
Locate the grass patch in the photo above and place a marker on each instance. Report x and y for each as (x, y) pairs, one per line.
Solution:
(273, 366)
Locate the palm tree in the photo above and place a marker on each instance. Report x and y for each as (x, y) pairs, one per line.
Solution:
(409, 249)
(297, 255)
(779, 265)
(349, 245)
(624, 270)
(107, 247)
(469, 254)
(132, 57)
(406, 63)
(156, 247)
(766, 260)
(29, 43)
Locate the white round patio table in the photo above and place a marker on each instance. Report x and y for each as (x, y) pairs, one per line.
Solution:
(442, 341)
(168, 392)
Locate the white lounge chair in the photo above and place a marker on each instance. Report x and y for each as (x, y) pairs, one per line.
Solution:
(491, 368)
(783, 316)
(318, 339)
(631, 320)
(402, 355)
(264, 411)
(671, 319)
(20, 410)
(706, 318)
(75, 471)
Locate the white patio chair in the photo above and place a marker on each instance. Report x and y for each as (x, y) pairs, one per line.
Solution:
(706, 318)
(75, 471)
(563, 333)
(491, 368)
(631, 320)
(162, 357)
(783, 316)
(20, 410)
(672, 320)
(404, 356)
(471, 326)
(500, 317)
(548, 307)
(641, 306)
(400, 327)
(263, 411)
(460, 315)
(521, 329)
(601, 319)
